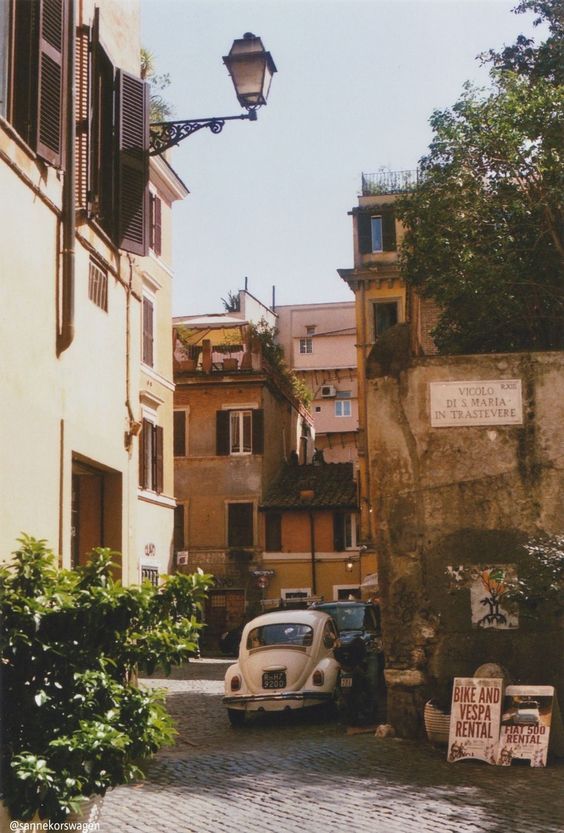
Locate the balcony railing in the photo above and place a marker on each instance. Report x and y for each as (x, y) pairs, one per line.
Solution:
(389, 182)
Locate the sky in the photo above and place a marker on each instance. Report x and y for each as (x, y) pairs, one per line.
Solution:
(357, 81)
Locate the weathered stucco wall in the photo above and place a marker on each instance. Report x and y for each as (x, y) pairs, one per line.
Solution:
(467, 496)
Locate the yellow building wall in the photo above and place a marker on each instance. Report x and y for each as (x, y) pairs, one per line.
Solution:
(77, 409)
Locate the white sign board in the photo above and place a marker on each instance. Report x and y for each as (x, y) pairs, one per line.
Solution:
(474, 719)
(481, 402)
(525, 724)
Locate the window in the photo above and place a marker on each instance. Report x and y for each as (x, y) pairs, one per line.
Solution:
(156, 234)
(240, 529)
(36, 71)
(273, 531)
(310, 330)
(376, 231)
(386, 315)
(180, 423)
(98, 286)
(151, 457)
(343, 406)
(240, 431)
(306, 345)
(344, 531)
(148, 326)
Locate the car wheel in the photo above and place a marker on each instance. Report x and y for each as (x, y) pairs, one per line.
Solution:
(236, 717)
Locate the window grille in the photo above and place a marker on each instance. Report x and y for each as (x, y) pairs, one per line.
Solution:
(150, 574)
(98, 286)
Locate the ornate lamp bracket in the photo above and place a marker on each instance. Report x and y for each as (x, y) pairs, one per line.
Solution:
(166, 134)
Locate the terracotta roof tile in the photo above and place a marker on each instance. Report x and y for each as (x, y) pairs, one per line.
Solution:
(332, 484)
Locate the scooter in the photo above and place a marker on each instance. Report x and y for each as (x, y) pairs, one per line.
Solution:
(358, 682)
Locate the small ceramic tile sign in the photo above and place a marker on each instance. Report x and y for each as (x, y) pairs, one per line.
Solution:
(525, 724)
(474, 719)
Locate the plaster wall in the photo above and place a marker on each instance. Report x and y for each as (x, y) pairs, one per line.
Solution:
(461, 495)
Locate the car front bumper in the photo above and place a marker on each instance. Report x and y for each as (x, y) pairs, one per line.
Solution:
(276, 702)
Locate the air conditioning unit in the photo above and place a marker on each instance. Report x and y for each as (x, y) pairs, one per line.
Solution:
(328, 392)
(182, 559)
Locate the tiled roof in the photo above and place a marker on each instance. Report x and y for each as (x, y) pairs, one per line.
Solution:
(332, 485)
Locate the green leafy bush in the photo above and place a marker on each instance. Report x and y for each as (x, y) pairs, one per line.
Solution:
(74, 723)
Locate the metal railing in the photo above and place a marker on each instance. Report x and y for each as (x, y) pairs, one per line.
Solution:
(389, 182)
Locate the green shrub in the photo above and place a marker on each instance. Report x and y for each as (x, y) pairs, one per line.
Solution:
(72, 641)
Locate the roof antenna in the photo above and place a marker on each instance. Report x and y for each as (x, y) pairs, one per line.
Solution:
(273, 298)
(246, 283)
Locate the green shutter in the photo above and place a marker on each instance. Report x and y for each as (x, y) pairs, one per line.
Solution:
(389, 230)
(364, 227)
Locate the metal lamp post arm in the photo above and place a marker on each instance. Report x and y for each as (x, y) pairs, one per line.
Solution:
(165, 134)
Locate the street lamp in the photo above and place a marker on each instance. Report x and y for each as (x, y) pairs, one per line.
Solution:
(251, 69)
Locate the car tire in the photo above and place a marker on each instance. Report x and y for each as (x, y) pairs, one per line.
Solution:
(236, 717)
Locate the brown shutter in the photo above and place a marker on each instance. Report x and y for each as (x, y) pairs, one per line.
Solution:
(146, 428)
(50, 94)
(83, 102)
(157, 227)
(364, 227)
(338, 531)
(158, 454)
(258, 431)
(389, 230)
(147, 345)
(133, 163)
(222, 432)
(180, 433)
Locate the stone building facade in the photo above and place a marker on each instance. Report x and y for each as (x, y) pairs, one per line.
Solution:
(463, 480)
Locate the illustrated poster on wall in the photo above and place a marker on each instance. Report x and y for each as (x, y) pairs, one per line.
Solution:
(475, 718)
(525, 724)
(487, 588)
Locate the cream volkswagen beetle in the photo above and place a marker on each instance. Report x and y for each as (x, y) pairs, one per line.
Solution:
(285, 662)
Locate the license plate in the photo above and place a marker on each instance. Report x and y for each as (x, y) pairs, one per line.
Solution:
(274, 679)
(346, 681)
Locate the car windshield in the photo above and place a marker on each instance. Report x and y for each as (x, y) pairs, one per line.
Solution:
(347, 618)
(284, 633)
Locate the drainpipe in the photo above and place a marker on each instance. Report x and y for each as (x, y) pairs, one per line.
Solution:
(312, 545)
(66, 334)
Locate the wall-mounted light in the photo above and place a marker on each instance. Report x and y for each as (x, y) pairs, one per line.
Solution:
(251, 69)
(349, 565)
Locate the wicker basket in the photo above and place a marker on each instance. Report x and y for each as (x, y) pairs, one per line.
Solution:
(437, 724)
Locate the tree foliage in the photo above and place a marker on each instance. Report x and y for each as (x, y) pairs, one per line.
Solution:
(159, 108)
(74, 724)
(484, 228)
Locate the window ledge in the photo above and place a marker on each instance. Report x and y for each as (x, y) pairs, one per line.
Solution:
(158, 500)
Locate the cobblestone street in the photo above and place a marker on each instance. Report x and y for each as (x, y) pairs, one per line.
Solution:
(301, 772)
